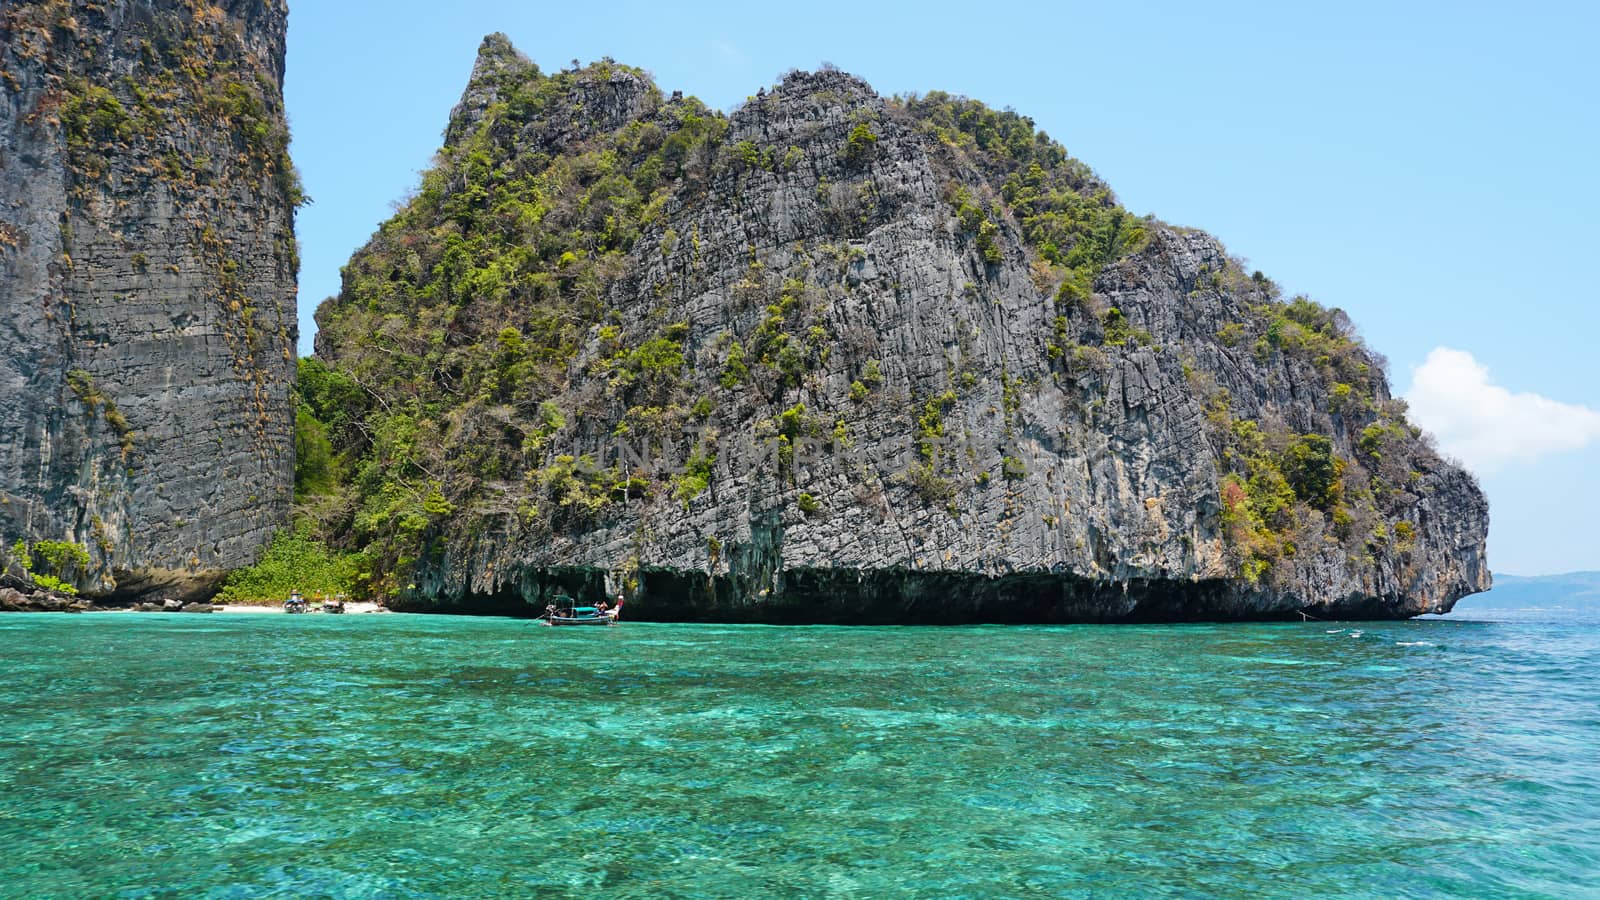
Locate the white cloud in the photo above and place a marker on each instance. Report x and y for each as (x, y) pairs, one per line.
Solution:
(1486, 426)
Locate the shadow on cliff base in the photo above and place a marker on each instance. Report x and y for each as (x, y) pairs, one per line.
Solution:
(896, 597)
(151, 585)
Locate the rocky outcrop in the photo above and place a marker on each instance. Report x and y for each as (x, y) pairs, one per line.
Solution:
(842, 358)
(147, 272)
(14, 599)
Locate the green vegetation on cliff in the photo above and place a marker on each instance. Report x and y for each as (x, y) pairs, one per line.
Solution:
(148, 277)
(589, 264)
(49, 565)
(199, 75)
(1065, 213)
(459, 322)
(296, 560)
(304, 556)
(459, 325)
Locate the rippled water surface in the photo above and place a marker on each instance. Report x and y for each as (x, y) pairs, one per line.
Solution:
(400, 756)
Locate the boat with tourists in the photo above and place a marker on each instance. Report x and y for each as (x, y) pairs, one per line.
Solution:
(565, 612)
(333, 605)
(295, 603)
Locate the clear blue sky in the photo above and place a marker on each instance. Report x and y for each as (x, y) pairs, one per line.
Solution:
(1429, 167)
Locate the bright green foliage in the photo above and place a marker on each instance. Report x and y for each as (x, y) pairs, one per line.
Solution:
(1376, 438)
(930, 424)
(315, 472)
(987, 243)
(1257, 515)
(657, 355)
(1405, 535)
(650, 372)
(1277, 486)
(808, 504)
(785, 343)
(1013, 469)
(1119, 333)
(1245, 530)
(1304, 328)
(549, 420)
(1065, 213)
(975, 220)
(525, 243)
(752, 157)
(841, 433)
(1060, 343)
(52, 565)
(580, 488)
(1231, 334)
(861, 144)
(734, 370)
(696, 476)
(792, 422)
(59, 556)
(1276, 481)
(52, 583)
(91, 114)
(1311, 468)
(459, 323)
(1342, 398)
(397, 500)
(296, 560)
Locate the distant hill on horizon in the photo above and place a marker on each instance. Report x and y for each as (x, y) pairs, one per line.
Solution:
(1579, 590)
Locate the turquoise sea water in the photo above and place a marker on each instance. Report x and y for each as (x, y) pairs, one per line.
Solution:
(400, 756)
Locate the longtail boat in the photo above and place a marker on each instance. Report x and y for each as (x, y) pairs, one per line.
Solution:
(580, 615)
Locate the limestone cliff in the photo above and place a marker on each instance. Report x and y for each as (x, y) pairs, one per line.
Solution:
(147, 285)
(837, 357)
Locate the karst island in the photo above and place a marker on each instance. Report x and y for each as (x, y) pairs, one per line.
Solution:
(831, 357)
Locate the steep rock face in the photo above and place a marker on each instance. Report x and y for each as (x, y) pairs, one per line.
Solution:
(147, 270)
(837, 358)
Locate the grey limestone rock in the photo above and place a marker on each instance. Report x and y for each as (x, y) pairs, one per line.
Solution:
(1014, 457)
(14, 600)
(147, 285)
